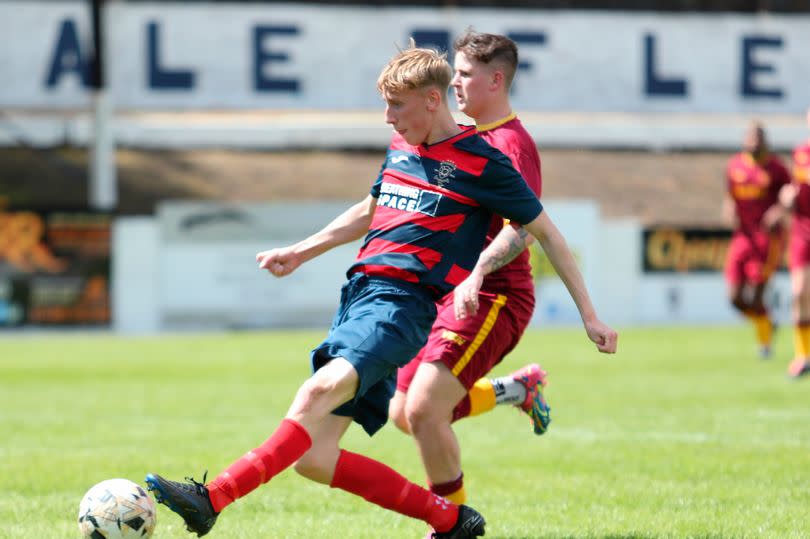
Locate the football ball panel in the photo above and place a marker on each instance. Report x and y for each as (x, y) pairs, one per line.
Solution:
(117, 509)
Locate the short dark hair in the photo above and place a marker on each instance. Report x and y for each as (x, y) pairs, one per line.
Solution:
(490, 48)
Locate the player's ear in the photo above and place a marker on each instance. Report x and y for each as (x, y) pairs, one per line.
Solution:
(433, 99)
(498, 80)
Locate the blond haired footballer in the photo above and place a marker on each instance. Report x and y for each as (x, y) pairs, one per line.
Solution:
(420, 220)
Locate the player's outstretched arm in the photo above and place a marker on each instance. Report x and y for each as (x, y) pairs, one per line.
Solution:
(563, 261)
(775, 216)
(508, 244)
(779, 213)
(349, 226)
(788, 194)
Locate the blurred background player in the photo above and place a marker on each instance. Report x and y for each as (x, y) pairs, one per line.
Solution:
(445, 381)
(754, 178)
(797, 196)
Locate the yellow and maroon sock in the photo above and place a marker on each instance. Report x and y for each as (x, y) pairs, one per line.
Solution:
(763, 326)
(452, 490)
(801, 339)
(482, 396)
(384, 486)
(479, 399)
(286, 445)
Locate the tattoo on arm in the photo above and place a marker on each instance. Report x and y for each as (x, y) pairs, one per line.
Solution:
(503, 253)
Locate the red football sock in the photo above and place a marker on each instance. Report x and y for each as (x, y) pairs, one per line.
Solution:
(383, 486)
(286, 445)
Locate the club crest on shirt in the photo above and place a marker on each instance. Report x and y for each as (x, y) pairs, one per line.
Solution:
(444, 173)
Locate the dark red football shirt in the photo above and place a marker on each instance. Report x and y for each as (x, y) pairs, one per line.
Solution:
(509, 136)
(754, 188)
(801, 176)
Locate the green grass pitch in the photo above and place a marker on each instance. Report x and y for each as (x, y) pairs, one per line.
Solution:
(684, 433)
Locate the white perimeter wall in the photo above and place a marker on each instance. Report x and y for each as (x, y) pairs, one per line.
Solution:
(193, 267)
(285, 76)
(190, 56)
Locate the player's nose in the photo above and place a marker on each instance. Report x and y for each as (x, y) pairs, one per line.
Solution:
(389, 116)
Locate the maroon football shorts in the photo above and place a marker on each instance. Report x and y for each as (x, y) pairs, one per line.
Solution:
(799, 248)
(470, 348)
(752, 259)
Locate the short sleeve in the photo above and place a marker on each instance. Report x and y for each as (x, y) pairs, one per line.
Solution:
(375, 188)
(529, 168)
(503, 191)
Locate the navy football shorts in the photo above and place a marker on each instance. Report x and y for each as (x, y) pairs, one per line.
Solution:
(380, 325)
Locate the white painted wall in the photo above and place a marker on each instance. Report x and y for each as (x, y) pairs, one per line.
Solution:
(579, 221)
(209, 277)
(135, 275)
(169, 275)
(615, 287)
(309, 130)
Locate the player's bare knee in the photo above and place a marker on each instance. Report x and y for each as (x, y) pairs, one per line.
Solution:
(420, 416)
(308, 400)
(314, 389)
(400, 421)
(396, 413)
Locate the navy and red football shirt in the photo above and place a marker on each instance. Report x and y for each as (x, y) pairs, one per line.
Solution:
(434, 206)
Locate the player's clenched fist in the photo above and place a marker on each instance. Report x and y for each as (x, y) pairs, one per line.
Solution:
(279, 262)
(605, 338)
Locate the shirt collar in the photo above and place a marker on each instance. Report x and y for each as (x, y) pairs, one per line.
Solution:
(497, 123)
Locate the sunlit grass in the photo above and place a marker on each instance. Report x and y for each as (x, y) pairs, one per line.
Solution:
(684, 433)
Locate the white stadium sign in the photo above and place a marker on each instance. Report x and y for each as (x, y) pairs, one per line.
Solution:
(165, 55)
